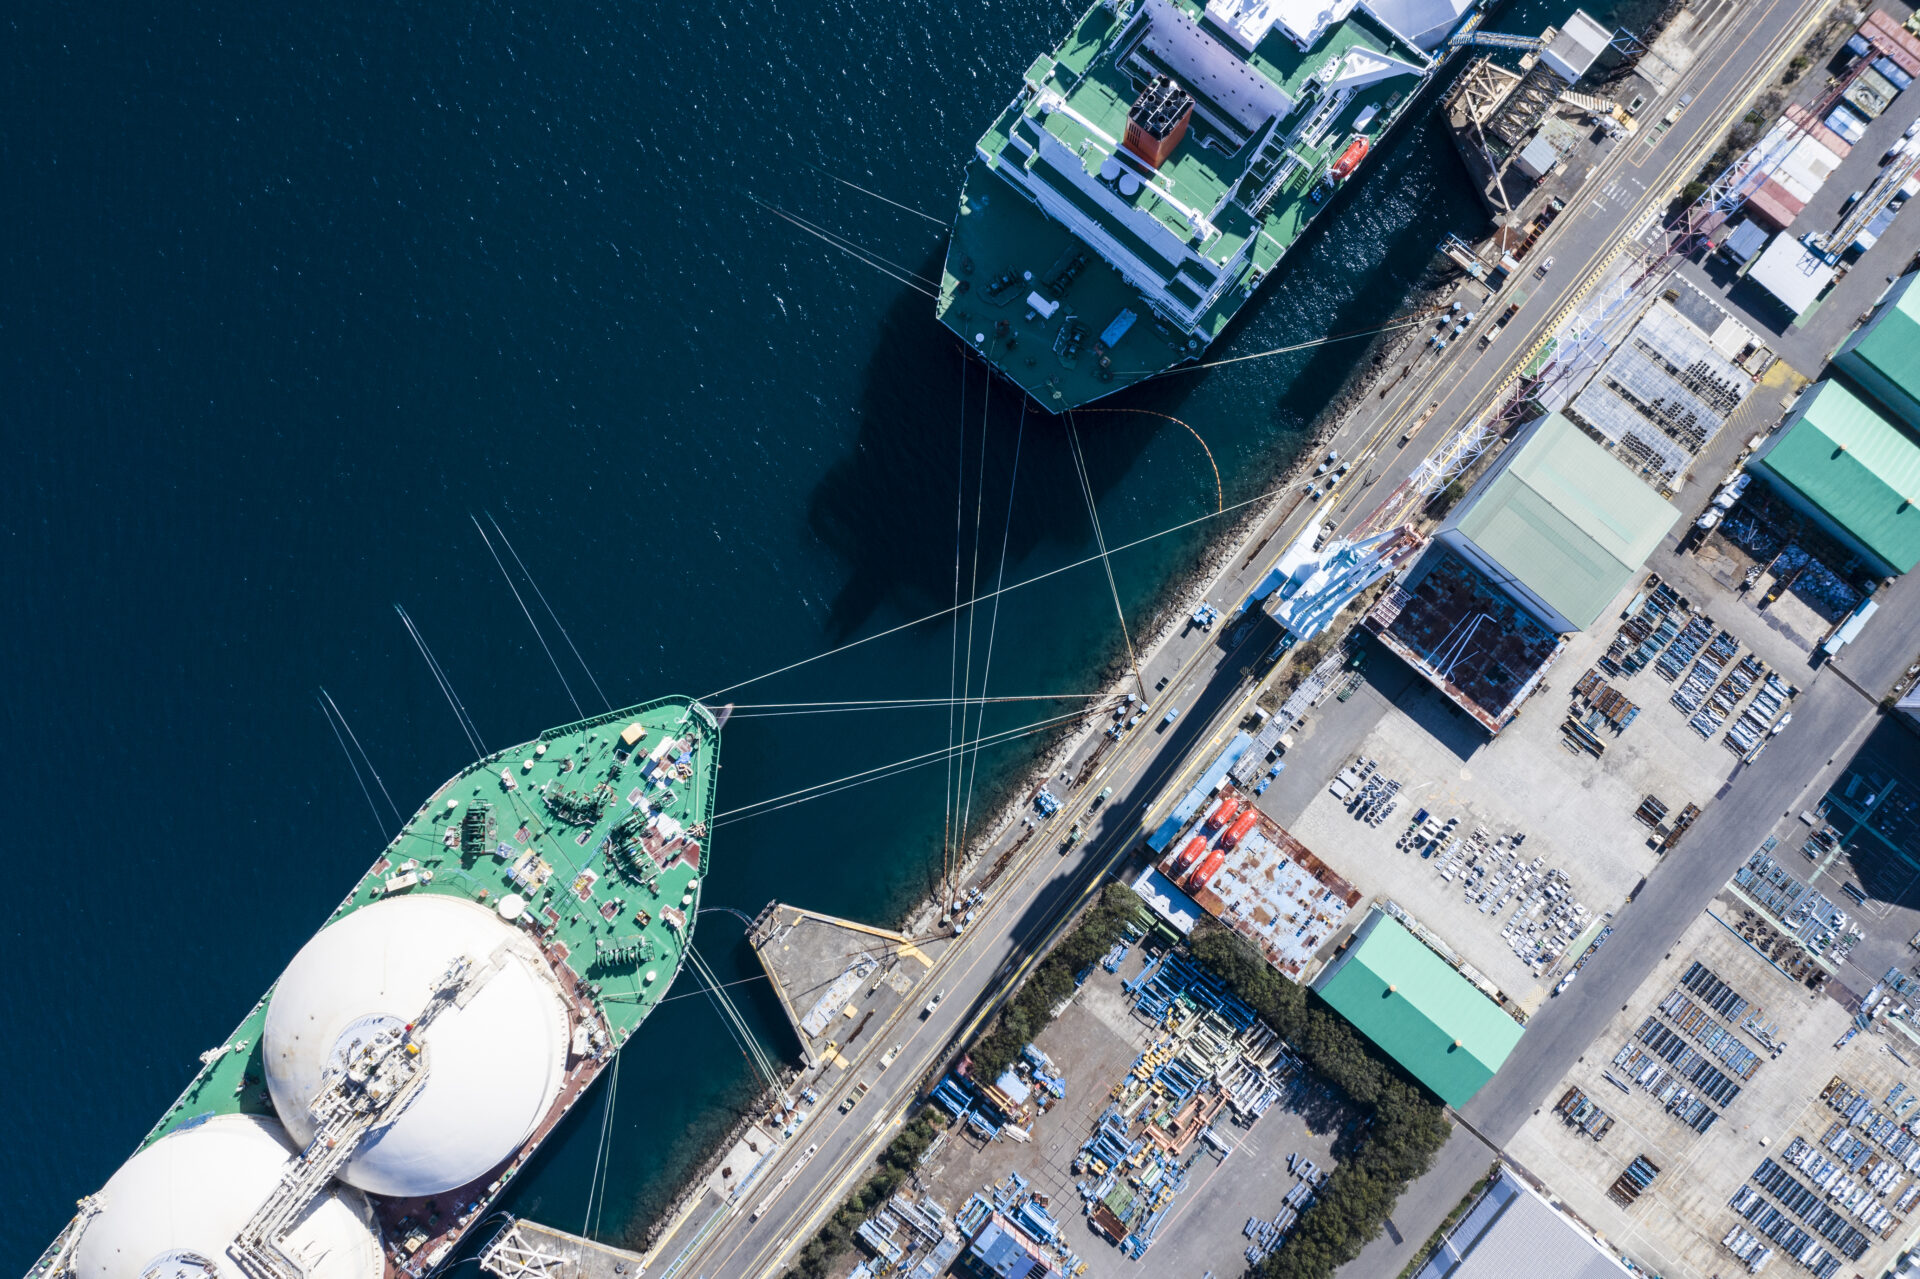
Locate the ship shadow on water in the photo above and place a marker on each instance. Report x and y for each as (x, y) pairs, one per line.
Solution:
(887, 509)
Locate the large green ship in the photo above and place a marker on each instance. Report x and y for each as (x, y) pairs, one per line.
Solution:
(1152, 172)
(418, 1050)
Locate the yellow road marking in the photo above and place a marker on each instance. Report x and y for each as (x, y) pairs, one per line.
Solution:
(831, 1195)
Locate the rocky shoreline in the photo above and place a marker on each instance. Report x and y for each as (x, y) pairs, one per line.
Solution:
(1177, 601)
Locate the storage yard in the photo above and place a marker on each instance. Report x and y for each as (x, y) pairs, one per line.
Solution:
(1528, 840)
(1153, 1111)
(1756, 1102)
(1839, 884)
(1730, 1117)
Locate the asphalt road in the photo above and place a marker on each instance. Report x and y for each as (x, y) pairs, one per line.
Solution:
(1030, 905)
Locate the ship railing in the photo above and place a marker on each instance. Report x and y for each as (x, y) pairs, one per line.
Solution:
(57, 1260)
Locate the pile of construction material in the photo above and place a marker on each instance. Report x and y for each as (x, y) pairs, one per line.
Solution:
(1582, 1112)
(1268, 1235)
(1546, 915)
(1212, 1056)
(1024, 1211)
(1686, 649)
(1638, 1176)
(911, 1235)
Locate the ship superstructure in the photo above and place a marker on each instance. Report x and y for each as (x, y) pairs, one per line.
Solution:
(425, 1042)
(1152, 171)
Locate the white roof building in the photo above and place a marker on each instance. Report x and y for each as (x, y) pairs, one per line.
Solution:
(1426, 23)
(496, 1057)
(171, 1211)
(1791, 272)
(1576, 46)
(1513, 1233)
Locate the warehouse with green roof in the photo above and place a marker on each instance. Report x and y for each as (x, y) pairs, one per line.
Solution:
(1418, 1009)
(1559, 524)
(1883, 355)
(1854, 474)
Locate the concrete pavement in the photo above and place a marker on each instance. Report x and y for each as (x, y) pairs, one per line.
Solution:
(1030, 905)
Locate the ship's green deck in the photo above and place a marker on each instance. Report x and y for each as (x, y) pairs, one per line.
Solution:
(1000, 229)
(590, 898)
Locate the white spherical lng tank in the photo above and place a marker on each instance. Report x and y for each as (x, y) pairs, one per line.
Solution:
(494, 1065)
(172, 1209)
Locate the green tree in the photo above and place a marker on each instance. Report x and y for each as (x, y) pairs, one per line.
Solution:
(1405, 1127)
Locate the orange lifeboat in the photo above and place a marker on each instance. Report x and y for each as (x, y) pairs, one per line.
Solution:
(1349, 160)
(1228, 810)
(1248, 820)
(1204, 873)
(1188, 856)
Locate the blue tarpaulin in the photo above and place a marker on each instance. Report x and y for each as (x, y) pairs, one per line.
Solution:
(1188, 806)
(1118, 329)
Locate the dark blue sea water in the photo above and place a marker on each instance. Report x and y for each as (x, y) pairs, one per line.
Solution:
(286, 294)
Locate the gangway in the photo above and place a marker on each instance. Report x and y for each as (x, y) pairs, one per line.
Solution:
(1494, 40)
(365, 1088)
(1592, 102)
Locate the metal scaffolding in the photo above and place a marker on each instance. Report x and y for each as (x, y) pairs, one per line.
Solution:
(1662, 396)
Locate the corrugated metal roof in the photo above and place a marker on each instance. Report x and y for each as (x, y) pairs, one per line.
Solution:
(1891, 346)
(1422, 1013)
(1568, 520)
(1857, 467)
(1514, 1234)
(1003, 1252)
(1817, 131)
(1894, 41)
(1537, 157)
(1792, 273)
(1774, 205)
(1747, 239)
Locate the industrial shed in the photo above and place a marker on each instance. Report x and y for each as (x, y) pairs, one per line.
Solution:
(1883, 355)
(1512, 1233)
(1852, 472)
(1559, 524)
(1418, 1009)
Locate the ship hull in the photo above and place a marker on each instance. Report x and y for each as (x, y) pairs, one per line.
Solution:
(591, 842)
(1026, 285)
